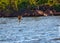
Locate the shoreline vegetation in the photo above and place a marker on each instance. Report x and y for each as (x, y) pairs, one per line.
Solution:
(29, 8)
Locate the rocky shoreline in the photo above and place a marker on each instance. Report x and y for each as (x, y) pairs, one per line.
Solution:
(35, 12)
(32, 14)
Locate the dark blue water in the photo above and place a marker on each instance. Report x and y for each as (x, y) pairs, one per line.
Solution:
(30, 30)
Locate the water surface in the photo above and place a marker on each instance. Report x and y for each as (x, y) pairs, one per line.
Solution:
(30, 30)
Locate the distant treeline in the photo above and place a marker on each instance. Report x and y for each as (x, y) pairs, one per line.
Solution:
(19, 6)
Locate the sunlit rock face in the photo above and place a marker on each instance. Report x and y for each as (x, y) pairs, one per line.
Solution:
(30, 30)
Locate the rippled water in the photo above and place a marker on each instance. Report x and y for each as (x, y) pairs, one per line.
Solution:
(30, 30)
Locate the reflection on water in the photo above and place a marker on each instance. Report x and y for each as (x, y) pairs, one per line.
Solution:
(30, 29)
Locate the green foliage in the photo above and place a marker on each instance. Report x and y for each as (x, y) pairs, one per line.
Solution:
(32, 2)
(23, 4)
(57, 7)
(42, 2)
